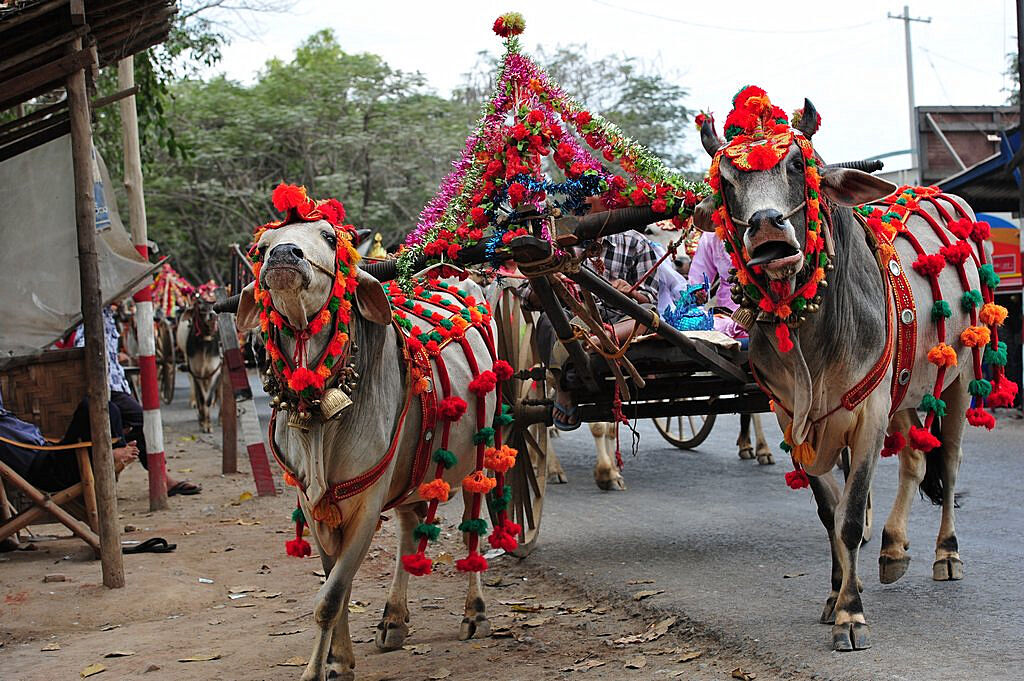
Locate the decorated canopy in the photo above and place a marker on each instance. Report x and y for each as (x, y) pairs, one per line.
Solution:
(171, 291)
(529, 117)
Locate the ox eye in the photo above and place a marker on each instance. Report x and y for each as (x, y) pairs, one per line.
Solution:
(796, 164)
(329, 238)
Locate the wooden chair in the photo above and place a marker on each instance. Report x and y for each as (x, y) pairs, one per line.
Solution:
(46, 390)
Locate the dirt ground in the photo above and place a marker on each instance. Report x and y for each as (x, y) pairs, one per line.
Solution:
(179, 605)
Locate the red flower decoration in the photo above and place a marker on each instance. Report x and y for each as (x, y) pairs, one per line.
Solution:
(516, 193)
(582, 118)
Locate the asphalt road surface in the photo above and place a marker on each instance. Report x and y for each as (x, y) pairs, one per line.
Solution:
(720, 536)
(745, 559)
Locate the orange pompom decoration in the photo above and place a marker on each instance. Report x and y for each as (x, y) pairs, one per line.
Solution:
(435, 490)
(975, 336)
(942, 356)
(992, 314)
(327, 513)
(500, 460)
(478, 483)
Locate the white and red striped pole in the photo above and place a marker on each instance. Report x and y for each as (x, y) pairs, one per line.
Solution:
(152, 424)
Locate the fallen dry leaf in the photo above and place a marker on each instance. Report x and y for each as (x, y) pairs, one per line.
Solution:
(293, 662)
(245, 496)
(653, 632)
(241, 589)
(120, 653)
(535, 622)
(269, 595)
(439, 674)
(640, 581)
(738, 673)
(641, 595)
(586, 665)
(526, 608)
(109, 627)
(637, 662)
(243, 605)
(92, 670)
(420, 649)
(691, 655)
(356, 608)
(287, 633)
(791, 575)
(50, 646)
(246, 522)
(201, 658)
(444, 558)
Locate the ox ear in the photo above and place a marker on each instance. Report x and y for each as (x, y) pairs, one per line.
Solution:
(702, 215)
(247, 317)
(849, 187)
(371, 300)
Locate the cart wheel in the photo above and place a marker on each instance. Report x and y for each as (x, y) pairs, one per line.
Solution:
(528, 478)
(165, 361)
(869, 512)
(685, 432)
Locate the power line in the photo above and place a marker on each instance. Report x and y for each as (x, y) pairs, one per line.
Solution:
(733, 29)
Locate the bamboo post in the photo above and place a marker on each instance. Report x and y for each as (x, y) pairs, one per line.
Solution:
(98, 389)
(152, 424)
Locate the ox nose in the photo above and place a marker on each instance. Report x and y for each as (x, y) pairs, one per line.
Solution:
(287, 253)
(767, 217)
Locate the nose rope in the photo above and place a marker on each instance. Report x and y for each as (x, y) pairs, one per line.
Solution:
(787, 216)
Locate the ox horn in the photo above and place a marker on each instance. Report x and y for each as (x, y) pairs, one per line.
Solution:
(808, 123)
(708, 138)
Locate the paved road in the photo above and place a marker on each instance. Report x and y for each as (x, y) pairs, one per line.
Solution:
(718, 535)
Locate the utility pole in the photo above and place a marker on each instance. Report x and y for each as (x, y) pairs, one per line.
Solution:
(915, 152)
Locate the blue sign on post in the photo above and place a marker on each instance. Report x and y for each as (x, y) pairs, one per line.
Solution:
(99, 197)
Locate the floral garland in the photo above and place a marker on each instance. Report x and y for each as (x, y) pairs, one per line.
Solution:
(759, 138)
(293, 381)
(500, 155)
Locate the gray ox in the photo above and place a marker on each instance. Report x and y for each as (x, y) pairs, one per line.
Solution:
(345, 447)
(833, 350)
(199, 344)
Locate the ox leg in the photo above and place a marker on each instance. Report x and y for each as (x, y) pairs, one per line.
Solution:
(746, 450)
(556, 474)
(764, 452)
(606, 471)
(893, 558)
(850, 631)
(826, 496)
(474, 622)
(332, 656)
(394, 626)
(947, 565)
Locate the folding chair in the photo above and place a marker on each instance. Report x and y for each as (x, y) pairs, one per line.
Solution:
(45, 390)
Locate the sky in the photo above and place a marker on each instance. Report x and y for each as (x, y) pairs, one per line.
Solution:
(847, 57)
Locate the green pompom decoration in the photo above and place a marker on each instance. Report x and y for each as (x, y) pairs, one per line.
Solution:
(444, 457)
(979, 388)
(785, 446)
(477, 525)
(940, 310)
(427, 530)
(971, 300)
(484, 436)
(297, 516)
(498, 504)
(988, 276)
(933, 404)
(996, 357)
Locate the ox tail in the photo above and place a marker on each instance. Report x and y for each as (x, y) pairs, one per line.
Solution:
(933, 486)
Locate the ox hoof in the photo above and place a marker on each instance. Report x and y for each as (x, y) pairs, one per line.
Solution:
(850, 636)
(612, 485)
(746, 453)
(948, 569)
(891, 569)
(339, 672)
(391, 635)
(765, 458)
(828, 613)
(477, 626)
(557, 478)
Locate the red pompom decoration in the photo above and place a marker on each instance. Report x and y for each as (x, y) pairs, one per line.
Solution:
(978, 417)
(333, 211)
(287, 196)
(929, 265)
(957, 252)
(981, 231)
(451, 408)
(1003, 392)
(298, 547)
(417, 564)
(503, 370)
(922, 439)
(500, 539)
(893, 444)
(782, 335)
(474, 562)
(797, 479)
(762, 157)
(484, 383)
(961, 228)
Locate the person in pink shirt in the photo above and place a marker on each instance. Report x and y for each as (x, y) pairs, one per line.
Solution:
(710, 260)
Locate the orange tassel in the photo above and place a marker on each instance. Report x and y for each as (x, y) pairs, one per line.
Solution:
(942, 355)
(327, 513)
(290, 480)
(992, 314)
(478, 483)
(975, 336)
(435, 490)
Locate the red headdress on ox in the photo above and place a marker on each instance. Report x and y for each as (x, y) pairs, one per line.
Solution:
(292, 381)
(758, 136)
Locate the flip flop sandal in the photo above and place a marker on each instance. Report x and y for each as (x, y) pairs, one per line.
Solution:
(184, 488)
(153, 545)
(564, 425)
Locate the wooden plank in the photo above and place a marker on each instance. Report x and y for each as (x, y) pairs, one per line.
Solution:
(39, 49)
(33, 116)
(45, 504)
(41, 137)
(19, 89)
(77, 12)
(92, 516)
(101, 102)
(30, 14)
(33, 128)
(596, 413)
(98, 389)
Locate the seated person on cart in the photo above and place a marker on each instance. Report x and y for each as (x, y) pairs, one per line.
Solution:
(709, 261)
(624, 259)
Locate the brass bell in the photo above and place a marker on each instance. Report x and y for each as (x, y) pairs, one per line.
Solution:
(744, 317)
(333, 402)
(300, 420)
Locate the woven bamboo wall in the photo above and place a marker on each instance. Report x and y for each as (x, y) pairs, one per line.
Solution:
(46, 389)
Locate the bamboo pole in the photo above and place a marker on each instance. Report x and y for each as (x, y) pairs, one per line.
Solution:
(152, 423)
(98, 389)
